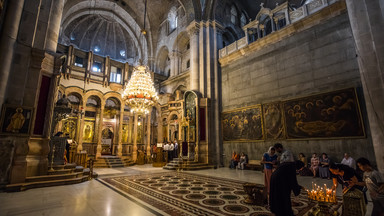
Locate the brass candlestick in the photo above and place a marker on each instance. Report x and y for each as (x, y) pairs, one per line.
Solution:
(53, 155)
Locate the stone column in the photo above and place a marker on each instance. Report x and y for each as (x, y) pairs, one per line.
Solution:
(54, 25)
(218, 29)
(134, 152)
(172, 64)
(149, 134)
(193, 31)
(81, 118)
(177, 63)
(159, 126)
(120, 143)
(273, 24)
(8, 38)
(367, 22)
(130, 128)
(100, 130)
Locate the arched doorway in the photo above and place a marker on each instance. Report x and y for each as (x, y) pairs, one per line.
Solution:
(111, 118)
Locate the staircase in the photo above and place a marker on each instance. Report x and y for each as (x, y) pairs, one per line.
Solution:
(61, 175)
(112, 162)
(186, 164)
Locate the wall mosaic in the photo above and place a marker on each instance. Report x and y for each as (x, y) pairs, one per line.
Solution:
(323, 116)
(243, 124)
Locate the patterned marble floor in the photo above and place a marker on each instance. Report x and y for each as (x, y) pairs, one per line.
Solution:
(95, 198)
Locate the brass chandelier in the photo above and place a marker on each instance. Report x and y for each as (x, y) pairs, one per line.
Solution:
(140, 93)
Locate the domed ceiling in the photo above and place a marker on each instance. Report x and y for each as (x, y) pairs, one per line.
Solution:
(101, 34)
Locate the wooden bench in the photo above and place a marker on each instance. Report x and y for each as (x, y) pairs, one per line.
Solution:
(254, 165)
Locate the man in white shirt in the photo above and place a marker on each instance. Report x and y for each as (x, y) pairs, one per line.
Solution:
(348, 161)
(165, 150)
(170, 152)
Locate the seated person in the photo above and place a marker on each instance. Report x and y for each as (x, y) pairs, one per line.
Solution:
(324, 166)
(314, 164)
(303, 158)
(304, 171)
(243, 161)
(234, 160)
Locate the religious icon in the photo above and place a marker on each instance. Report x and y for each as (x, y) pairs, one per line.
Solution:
(16, 119)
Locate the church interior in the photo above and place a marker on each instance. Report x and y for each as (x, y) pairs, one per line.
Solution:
(135, 107)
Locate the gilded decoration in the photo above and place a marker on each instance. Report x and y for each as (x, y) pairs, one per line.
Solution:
(89, 127)
(273, 121)
(16, 119)
(190, 115)
(125, 133)
(334, 114)
(243, 124)
(69, 126)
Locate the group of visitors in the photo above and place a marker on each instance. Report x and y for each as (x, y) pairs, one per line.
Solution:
(172, 149)
(280, 180)
(320, 166)
(238, 161)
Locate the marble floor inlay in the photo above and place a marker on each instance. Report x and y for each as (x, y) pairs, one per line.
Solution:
(180, 193)
(102, 199)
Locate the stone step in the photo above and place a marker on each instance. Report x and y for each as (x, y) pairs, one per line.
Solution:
(60, 171)
(53, 177)
(189, 168)
(79, 169)
(30, 185)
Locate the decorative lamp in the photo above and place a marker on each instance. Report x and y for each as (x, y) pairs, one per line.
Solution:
(140, 93)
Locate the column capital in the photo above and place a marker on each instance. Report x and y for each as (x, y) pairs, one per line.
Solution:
(193, 28)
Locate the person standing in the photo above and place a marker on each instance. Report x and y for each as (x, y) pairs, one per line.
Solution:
(349, 161)
(269, 159)
(283, 181)
(176, 154)
(166, 152)
(171, 151)
(374, 181)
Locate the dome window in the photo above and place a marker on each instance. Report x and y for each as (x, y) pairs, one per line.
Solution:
(122, 53)
(97, 49)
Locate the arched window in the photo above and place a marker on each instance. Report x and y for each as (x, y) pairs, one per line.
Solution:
(188, 64)
(233, 14)
(243, 20)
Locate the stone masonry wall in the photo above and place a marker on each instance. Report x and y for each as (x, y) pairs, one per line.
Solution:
(319, 59)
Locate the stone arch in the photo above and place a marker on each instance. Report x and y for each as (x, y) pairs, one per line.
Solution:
(181, 41)
(162, 61)
(76, 91)
(115, 95)
(229, 36)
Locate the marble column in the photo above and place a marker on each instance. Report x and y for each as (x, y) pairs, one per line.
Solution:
(193, 31)
(367, 23)
(53, 30)
(134, 152)
(120, 131)
(8, 39)
(149, 135)
(100, 131)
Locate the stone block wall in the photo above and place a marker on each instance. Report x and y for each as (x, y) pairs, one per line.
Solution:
(316, 60)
